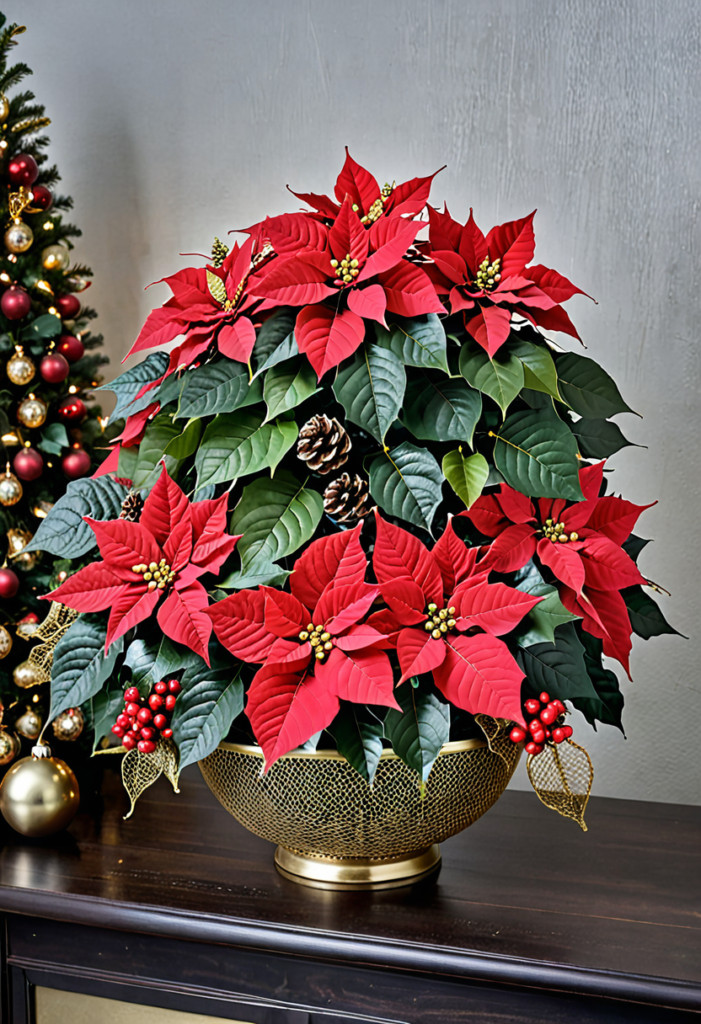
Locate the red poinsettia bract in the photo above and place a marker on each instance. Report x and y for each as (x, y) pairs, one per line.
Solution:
(434, 599)
(313, 644)
(581, 544)
(488, 278)
(345, 276)
(155, 562)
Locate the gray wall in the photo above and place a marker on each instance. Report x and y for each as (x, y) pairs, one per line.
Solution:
(177, 120)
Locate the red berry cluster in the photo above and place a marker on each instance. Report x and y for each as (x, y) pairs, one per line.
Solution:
(144, 722)
(545, 725)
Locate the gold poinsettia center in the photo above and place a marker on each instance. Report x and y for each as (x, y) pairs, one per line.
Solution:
(439, 621)
(157, 575)
(488, 274)
(346, 269)
(557, 532)
(320, 640)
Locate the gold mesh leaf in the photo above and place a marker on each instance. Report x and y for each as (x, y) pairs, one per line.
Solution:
(562, 775)
(497, 731)
(48, 634)
(139, 771)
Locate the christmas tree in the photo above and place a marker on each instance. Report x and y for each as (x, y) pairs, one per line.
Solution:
(49, 359)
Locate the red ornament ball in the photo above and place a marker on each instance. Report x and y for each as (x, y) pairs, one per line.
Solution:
(76, 463)
(70, 347)
(68, 306)
(72, 410)
(54, 368)
(9, 583)
(23, 170)
(42, 199)
(15, 302)
(28, 464)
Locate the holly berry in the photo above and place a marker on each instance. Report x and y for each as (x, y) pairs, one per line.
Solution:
(132, 693)
(137, 725)
(543, 713)
(517, 734)
(155, 701)
(532, 707)
(174, 686)
(160, 722)
(146, 746)
(147, 733)
(166, 733)
(144, 715)
(118, 730)
(132, 709)
(161, 687)
(129, 742)
(170, 701)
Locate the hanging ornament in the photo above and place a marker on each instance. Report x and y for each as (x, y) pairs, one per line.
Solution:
(55, 257)
(323, 444)
(17, 540)
(28, 464)
(54, 368)
(76, 463)
(27, 626)
(72, 410)
(32, 412)
(70, 347)
(42, 509)
(68, 306)
(78, 283)
(5, 642)
(29, 724)
(25, 676)
(10, 488)
(22, 170)
(10, 746)
(39, 795)
(9, 583)
(20, 368)
(19, 237)
(15, 302)
(42, 199)
(4, 107)
(69, 724)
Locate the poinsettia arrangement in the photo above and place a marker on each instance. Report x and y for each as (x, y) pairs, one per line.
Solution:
(364, 485)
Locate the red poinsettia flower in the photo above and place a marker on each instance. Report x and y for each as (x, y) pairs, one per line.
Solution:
(155, 562)
(488, 278)
(579, 542)
(436, 597)
(314, 647)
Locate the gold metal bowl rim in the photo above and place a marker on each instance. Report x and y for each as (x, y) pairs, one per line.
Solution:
(452, 747)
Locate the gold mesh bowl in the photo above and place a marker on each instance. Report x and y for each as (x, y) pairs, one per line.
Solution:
(335, 831)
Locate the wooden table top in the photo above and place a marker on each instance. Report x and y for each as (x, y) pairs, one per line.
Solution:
(523, 897)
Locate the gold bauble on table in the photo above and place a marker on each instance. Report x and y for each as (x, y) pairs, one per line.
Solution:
(9, 746)
(32, 412)
(4, 107)
(10, 489)
(69, 724)
(26, 675)
(5, 642)
(55, 257)
(29, 724)
(20, 368)
(19, 237)
(39, 795)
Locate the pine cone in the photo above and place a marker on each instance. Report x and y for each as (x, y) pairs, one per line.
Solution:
(347, 498)
(323, 444)
(131, 507)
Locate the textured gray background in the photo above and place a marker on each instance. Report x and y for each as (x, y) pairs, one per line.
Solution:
(175, 120)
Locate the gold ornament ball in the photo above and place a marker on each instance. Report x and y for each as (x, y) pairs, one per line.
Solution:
(69, 724)
(10, 490)
(9, 746)
(26, 675)
(4, 107)
(17, 540)
(20, 368)
(19, 237)
(29, 724)
(39, 795)
(5, 644)
(32, 413)
(55, 257)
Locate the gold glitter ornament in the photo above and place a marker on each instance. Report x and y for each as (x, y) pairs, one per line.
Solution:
(19, 237)
(4, 107)
(5, 643)
(39, 795)
(55, 257)
(29, 724)
(9, 746)
(32, 412)
(26, 675)
(69, 724)
(17, 540)
(10, 488)
(25, 630)
(20, 368)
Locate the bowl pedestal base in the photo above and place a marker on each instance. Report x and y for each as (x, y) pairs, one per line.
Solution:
(357, 873)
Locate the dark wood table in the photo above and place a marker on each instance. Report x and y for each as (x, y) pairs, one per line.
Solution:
(530, 919)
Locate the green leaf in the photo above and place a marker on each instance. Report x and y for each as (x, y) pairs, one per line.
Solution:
(598, 439)
(274, 331)
(266, 574)
(419, 730)
(588, 389)
(159, 433)
(536, 453)
(499, 378)
(370, 387)
(358, 736)
(172, 388)
(634, 545)
(105, 706)
(240, 443)
(172, 657)
(467, 476)
(540, 623)
(128, 384)
(53, 439)
(80, 664)
(212, 697)
(607, 706)
(217, 388)
(287, 385)
(558, 668)
(406, 482)
(43, 328)
(141, 659)
(539, 372)
(126, 462)
(287, 349)
(64, 532)
(645, 615)
(217, 288)
(420, 342)
(185, 444)
(275, 517)
(440, 409)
